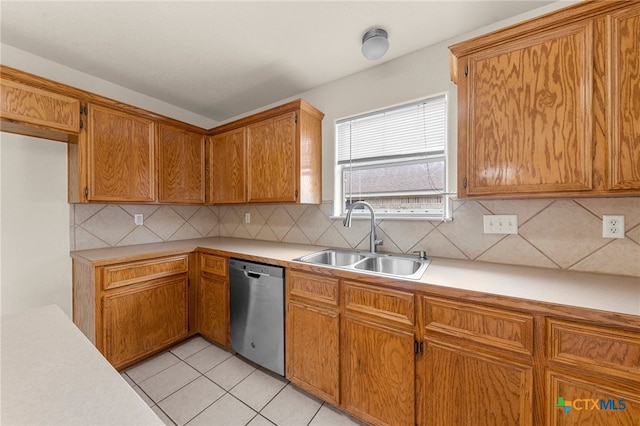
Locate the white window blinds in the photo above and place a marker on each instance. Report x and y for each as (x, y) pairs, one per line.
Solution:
(412, 130)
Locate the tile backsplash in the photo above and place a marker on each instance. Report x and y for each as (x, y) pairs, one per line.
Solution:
(552, 233)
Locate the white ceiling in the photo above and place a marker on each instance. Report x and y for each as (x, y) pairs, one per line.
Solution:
(220, 59)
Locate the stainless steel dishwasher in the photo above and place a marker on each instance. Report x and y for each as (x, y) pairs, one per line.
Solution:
(256, 293)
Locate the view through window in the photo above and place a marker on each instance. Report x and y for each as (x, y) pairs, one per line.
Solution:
(395, 159)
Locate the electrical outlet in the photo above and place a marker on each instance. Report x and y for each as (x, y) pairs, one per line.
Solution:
(500, 223)
(247, 218)
(613, 226)
(138, 219)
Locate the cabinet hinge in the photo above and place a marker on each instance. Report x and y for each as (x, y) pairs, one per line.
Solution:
(466, 70)
(86, 191)
(296, 119)
(418, 347)
(464, 182)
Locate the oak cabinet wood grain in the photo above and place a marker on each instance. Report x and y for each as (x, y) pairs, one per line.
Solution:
(26, 109)
(114, 160)
(272, 160)
(132, 309)
(181, 165)
(313, 334)
(213, 299)
(549, 107)
(624, 146)
(465, 386)
(226, 167)
(377, 352)
(143, 319)
(271, 157)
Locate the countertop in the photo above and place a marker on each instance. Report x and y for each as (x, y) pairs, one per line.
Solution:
(53, 375)
(611, 293)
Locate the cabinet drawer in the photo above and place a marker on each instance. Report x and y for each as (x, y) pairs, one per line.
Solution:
(609, 350)
(379, 303)
(135, 272)
(499, 328)
(36, 106)
(216, 265)
(313, 288)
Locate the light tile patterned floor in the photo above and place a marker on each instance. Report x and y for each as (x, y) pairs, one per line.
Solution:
(199, 383)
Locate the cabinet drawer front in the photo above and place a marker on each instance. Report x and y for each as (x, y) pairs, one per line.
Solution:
(35, 106)
(499, 328)
(379, 303)
(216, 265)
(608, 350)
(313, 288)
(135, 272)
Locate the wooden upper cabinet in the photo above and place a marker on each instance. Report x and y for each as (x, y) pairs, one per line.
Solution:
(36, 112)
(550, 107)
(272, 160)
(528, 116)
(624, 149)
(120, 152)
(181, 158)
(226, 167)
(282, 162)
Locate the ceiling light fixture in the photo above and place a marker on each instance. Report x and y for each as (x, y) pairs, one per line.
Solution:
(375, 44)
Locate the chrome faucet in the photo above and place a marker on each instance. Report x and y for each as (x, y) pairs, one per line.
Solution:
(373, 242)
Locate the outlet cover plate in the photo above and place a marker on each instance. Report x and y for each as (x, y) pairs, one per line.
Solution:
(613, 226)
(500, 223)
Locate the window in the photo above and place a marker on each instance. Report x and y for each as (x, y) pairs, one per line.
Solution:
(395, 160)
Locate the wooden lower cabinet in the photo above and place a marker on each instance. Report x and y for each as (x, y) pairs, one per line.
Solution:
(575, 400)
(313, 361)
(131, 310)
(378, 356)
(378, 373)
(464, 386)
(139, 320)
(313, 334)
(213, 298)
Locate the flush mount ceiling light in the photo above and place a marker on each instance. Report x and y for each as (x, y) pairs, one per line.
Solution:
(375, 44)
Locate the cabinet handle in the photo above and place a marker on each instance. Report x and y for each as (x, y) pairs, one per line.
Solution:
(81, 124)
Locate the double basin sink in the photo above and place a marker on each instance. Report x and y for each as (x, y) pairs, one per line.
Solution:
(386, 264)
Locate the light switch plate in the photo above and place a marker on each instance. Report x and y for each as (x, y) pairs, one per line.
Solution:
(500, 223)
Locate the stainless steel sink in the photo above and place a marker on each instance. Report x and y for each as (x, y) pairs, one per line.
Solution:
(390, 265)
(333, 257)
(375, 263)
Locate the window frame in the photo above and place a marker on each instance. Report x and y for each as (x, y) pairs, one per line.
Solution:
(339, 210)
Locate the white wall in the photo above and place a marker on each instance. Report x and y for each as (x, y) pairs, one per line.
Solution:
(35, 263)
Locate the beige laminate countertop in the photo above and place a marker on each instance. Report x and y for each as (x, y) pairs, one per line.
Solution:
(610, 293)
(53, 375)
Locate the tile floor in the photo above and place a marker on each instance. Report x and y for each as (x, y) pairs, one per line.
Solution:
(199, 383)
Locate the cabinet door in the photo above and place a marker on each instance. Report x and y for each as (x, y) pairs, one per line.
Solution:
(272, 160)
(144, 319)
(624, 150)
(214, 309)
(120, 156)
(588, 402)
(30, 105)
(226, 167)
(525, 115)
(378, 373)
(313, 355)
(466, 387)
(180, 166)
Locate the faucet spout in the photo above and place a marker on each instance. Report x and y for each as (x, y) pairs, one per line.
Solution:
(373, 242)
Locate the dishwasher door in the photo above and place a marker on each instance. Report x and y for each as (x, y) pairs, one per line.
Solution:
(256, 293)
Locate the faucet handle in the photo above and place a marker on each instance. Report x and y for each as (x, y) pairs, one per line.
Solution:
(379, 242)
(421, 254)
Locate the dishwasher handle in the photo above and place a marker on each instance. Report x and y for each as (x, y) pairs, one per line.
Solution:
(252, 274)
